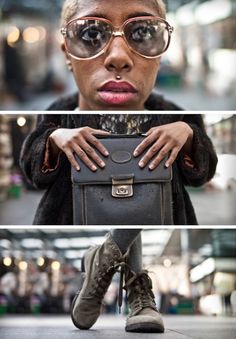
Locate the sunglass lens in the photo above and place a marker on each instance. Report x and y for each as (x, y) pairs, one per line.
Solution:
(87, 38)
(147, 37)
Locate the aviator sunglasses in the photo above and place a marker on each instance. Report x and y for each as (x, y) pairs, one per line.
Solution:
(89, 37)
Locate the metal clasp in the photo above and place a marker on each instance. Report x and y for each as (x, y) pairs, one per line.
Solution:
(122, 188)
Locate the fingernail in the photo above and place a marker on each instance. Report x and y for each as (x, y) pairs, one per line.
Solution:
(167, 165)
(151, 167)
(77, 168)
(141, 164)
(102, 164)
(135, 153)
(106, 153)
(94, 168)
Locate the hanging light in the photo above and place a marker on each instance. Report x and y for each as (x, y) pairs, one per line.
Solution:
(55, 265)
(31, 35)
(21, 121)
(40, 261)
(167, 263)
(7, 261)
(13, 35)
(23, 265)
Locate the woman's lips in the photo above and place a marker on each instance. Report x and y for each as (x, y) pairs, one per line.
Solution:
(117, 93)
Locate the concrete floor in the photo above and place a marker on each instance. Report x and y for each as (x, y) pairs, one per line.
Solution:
(215, 207)
(20, 211)
(212, 208)
(107, 327)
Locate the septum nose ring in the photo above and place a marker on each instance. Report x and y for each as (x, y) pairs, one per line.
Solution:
(118, 77)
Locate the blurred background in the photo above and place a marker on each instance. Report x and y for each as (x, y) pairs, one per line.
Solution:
(214, 202)
(193, 270)
(198, 72)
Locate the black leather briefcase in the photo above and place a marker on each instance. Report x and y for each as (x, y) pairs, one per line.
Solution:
(122, 193)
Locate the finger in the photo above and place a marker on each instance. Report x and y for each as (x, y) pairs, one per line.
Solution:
(153, 150)
(172, 157)
(151, 130)
(100, 132)
(84, 158)
(161, 155)
(97, 144)
(145, 143)
(92, 154)
(72, 159)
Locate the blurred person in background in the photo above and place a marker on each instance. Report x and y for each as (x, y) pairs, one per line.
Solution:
(113, 50)
(14, 73)
(8, 287)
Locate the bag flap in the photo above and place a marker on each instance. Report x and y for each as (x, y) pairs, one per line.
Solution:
(120, 164)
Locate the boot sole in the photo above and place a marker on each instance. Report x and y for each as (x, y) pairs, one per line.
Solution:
(144, 328)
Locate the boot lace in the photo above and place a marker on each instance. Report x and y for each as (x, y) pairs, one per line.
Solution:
(105, 273)
(103, 279)
(140, 294)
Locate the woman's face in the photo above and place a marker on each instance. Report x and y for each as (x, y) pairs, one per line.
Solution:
(95, 77)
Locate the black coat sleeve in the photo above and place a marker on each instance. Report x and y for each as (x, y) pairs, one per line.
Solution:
(203, 154)
(33, 152)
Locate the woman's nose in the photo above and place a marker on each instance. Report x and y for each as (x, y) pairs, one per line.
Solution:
(118, 56)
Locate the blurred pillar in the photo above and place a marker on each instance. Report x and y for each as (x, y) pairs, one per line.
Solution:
(185, 255)
(5, 156)
(233, 135)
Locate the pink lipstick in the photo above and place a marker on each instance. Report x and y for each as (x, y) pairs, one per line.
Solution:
(117, 93)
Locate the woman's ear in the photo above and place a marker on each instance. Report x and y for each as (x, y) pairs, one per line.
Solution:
(68, 59)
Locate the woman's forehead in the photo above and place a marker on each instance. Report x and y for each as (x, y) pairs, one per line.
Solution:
(112, 8)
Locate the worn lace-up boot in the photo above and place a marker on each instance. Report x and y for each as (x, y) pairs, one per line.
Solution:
(100, 263)
(143, 316)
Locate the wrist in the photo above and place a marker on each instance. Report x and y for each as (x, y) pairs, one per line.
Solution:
(51, 156)
(187, 148)
(190, 131)
(54, 149)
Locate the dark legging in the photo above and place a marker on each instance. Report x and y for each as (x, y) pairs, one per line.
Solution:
(130, 239)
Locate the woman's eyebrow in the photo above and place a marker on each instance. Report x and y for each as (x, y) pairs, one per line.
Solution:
(137, 14)
(96, 15)
(132, 15)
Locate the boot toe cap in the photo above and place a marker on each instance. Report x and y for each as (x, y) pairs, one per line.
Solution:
(85, 314)
(150, 321)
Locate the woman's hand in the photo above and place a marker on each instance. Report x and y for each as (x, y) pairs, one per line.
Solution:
(170, 138)
(79, 141)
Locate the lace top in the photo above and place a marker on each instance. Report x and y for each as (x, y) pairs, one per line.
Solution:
(125, 123)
